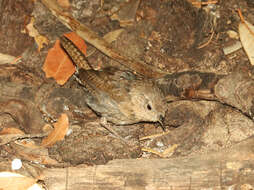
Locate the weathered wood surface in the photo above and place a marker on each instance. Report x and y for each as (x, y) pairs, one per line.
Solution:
(231, 168)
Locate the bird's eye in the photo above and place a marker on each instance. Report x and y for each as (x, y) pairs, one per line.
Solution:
(149, 107)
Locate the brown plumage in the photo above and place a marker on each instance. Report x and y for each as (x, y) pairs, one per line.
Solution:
(119, 96)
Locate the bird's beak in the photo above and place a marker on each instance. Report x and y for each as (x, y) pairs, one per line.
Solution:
(161, 119)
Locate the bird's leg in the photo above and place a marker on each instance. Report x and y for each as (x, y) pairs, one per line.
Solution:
(108, 127)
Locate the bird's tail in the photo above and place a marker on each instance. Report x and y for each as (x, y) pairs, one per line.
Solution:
(78, 58)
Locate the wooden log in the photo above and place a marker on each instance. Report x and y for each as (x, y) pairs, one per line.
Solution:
(231, 168)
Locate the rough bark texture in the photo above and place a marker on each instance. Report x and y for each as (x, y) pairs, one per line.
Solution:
(231, 168)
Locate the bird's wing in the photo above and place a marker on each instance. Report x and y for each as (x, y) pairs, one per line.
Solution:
(112, 81)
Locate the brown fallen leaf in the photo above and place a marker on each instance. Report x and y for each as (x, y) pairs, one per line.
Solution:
(28, 150)
(11, 130)
(60, 129)
(10, 134)
(14, 181)
(57, 64)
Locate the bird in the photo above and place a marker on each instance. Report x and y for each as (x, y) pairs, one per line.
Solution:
(119, 96)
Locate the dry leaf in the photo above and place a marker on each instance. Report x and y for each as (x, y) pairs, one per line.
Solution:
(11, 130)
(127, 14)
(29, 151)
(5, 58)
(64, 3)
(14, 181)
(10, 134)
(39, 39)
(113, 35)
(232, 48)
(15, 135)
(60, 130)
(246, 31)
(57, 64)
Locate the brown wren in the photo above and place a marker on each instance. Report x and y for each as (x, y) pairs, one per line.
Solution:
(118, 95)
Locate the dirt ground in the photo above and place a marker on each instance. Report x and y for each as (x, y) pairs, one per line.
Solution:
(172, 35)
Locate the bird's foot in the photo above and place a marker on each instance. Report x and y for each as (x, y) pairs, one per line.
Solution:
(108, 127)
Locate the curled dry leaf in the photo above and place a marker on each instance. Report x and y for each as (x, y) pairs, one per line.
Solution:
(57, 64)
(246, 31)
(60, 130)
(39, 39)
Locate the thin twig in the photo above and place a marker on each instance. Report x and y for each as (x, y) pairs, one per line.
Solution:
(205, 44)
(154, 136)
(204, 3)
